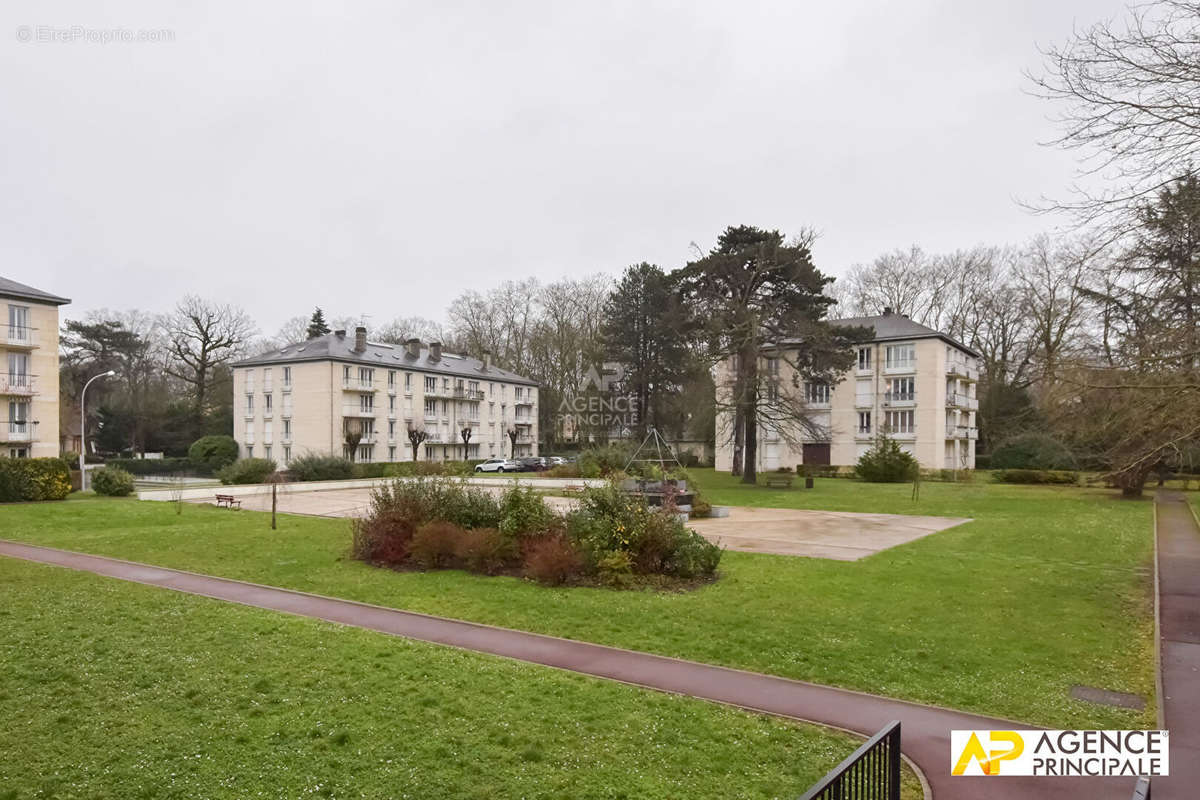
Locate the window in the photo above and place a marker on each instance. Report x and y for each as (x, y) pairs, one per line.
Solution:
(900, 421)
(430, 384)
(366, 403)
(864, 422)
(345, 374)
(392, 453)
(287, 377)
(391, 379)
(446, 385)
(816, 392)
(901, 356)
(267, 451)
(392, 429)
(491, 389)
(864, 358)
(287, 455)
(249, 404)
(287, 430)
(445, 408)
(901, 389)
(430, 407)
(268, 432)
(268, 403)
(249, 451)
(249, 380)
(266, 379)
(366, 376)
(18, 323)
(391, 404)
(408, 381)
(772, 366)
(364, 453)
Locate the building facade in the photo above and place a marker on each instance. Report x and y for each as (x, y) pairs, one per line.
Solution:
(29, 380)
(911, 382)
(318, 396)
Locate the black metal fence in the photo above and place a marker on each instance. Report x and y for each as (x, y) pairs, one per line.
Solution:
(1142, 790)
(872, 772)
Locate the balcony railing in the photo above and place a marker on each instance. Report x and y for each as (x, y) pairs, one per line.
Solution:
(899, 398)
(356, 385)
(468, 394)
(960, 400)
(962, 432)
(368, 438)
(357, 411)
(433, 437)
(18, 432)
(19, 336)
(961, 369)
(524, 401)
(862, 432)
(285, 412)
(11, 383)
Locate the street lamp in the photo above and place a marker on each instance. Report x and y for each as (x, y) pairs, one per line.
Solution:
(83, 424)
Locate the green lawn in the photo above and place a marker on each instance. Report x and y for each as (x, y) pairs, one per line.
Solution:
(1047, 588)
(115, 690)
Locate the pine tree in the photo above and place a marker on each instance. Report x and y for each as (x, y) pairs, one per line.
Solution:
(316, 325)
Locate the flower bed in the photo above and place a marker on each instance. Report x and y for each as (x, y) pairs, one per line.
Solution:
(612, 539)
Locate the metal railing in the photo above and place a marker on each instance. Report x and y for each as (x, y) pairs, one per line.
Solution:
(19, 336)
(895, 398)
(962, 369)
(467, 394)
(872, 772)
(960, 400)
(356, 385)
(17, 383)
(1141, 790)
(19, 432)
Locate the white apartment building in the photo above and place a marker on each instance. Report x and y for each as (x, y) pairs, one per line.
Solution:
(29, 380)
(305, 397)
(911, 381)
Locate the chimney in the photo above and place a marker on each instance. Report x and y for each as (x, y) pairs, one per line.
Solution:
(412, 348)
(435, 351)
(360, 339)
(487, 360)
(887, 311)
(340, 334)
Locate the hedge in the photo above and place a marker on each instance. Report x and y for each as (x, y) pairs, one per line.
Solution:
(23, 479)
(158, 466)
(1054, 476)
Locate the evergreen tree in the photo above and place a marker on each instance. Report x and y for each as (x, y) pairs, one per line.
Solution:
(316, 325)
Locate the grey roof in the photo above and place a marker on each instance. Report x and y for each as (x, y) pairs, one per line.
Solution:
(332, 347)
(10, 288)
(890, 327)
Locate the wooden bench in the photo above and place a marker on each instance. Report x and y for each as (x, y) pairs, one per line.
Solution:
(779, 481)
(228, 501)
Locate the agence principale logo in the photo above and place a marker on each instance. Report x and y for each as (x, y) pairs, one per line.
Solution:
(1059, 753)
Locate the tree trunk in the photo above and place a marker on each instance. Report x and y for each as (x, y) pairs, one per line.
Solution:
(738, 440)
(749, 406)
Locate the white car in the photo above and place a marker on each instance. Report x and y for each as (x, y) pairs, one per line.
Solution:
(499, 465)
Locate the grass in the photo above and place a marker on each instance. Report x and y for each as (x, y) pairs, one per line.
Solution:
(113, 689)
(1047, 588)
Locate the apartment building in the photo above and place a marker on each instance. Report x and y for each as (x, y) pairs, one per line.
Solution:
(915, 383)
(307, 397)
(29, 382)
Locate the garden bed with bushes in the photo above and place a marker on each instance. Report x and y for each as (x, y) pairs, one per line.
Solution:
(613, 539)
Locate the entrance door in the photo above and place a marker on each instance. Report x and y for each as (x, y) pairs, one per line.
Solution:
(816, 454)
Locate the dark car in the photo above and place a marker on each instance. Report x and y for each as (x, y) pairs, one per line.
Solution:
(533, 464)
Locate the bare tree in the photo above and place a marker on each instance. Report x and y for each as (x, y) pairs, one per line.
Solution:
(401, 329)
(1129, 95)
(202, 336)
(416, 435)
(500, 321)
(352, 434)
(465, 433)
(1052, 277)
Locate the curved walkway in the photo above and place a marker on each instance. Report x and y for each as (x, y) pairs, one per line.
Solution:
(925, 731)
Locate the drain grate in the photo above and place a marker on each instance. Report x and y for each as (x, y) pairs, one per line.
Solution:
(1106, 697)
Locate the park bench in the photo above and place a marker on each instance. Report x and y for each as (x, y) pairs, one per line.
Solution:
(779, 481)
(228, 501)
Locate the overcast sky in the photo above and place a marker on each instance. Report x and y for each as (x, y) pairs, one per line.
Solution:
(377, 159)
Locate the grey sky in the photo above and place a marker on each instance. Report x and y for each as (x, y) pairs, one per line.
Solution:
(379, 158)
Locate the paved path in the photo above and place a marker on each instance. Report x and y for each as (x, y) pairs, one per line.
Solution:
(1179, 640)
(925, 731)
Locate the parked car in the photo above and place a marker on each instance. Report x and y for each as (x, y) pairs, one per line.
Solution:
(534, 464)
(500, 465)
(556, 461)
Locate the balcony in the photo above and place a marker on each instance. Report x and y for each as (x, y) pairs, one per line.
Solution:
(355, 385)
(368, 438)
(962, 432)
(960, 400)
(474, 423)
(358, 411)
(524, 438)
(19, 337)
(20, 385)
(474, 395)
(899, 399)
(285, 412)
(439, 392)
(961, 369)
(523, 421)
(863, 433)
(864, 401)
(16, 432)
(433, 437)
(524, 401)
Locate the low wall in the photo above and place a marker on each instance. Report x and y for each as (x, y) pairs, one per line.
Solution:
(206, 493)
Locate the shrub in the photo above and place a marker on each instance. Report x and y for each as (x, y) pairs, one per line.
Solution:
(615, 568)
(153, 466)
(33, 479)
(885, 462)
(1044, 476)
(246, 470)
(436, 544)
(375, 469)
(112, 481)
(552, 560)
(523, 512)
(694, 557)
(601, 462)
(563, 471)
(317, 467)
(383, 537)
(486, 550)
(213, 452)
(1032, 451)
(701, 508)
(423, 500)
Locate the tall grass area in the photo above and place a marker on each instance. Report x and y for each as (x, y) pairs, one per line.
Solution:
(1048, 587)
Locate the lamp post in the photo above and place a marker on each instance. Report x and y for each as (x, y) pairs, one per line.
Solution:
(82, 426)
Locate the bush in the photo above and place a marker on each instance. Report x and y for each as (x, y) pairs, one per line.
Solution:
(885, 462)
(436, 544)
(486, 550)
(24, 479)
(383, 538)
(375, 469)
(983, 461)
(601, 462)
(112, 481)
(523, 512)
(563, 471)
(405, 469)
(247, 470)
(317, 467)
(154, 466)
(1036, 451)
(213, 452)
(1044, 476)
(427, 499)
(552, 560)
